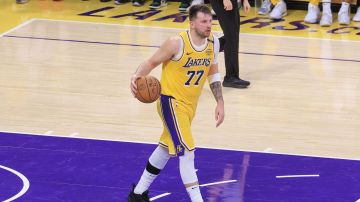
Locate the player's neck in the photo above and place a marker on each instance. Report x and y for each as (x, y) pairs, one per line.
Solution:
(196, 39)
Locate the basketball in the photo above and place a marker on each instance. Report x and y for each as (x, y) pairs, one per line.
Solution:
(148, 89)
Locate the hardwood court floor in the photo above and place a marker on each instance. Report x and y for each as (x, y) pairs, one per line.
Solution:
(72, 78)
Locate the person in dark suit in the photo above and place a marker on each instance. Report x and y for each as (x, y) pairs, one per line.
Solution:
(228, 15)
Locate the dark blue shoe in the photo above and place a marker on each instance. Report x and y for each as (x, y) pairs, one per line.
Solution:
(235, 83)
(144, 197)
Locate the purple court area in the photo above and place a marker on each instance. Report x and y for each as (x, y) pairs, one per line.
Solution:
(71, 169)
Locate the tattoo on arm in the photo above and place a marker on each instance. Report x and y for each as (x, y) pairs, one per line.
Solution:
(216, 90)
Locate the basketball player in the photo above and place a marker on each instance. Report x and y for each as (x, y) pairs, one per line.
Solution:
(188, 60)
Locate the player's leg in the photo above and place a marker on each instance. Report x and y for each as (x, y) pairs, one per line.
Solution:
(168, 111)
(156, 163)
(189, 177)
(177, 118)
(313, 14)
(186, 150)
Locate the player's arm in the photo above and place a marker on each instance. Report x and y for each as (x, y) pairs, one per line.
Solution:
(166, 51)
(215, 86)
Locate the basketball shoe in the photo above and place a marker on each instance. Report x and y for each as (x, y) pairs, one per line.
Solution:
(157, 4)
(278, 11)
(356, 17)
(265, 7)
(138, 197)
(313, 14)
(344, 14)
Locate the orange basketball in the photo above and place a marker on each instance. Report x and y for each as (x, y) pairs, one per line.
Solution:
(148, 89)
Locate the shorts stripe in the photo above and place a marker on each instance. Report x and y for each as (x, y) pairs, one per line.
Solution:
(169, 118)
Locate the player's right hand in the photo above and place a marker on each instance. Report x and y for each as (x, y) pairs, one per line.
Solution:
(133, 86)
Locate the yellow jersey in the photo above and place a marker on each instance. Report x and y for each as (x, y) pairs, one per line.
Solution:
(183, 79)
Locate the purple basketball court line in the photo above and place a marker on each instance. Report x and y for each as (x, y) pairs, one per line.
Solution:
(152, 46)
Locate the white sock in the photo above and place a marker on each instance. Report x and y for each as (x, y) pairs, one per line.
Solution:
(345, 5)
(144, 182)
(158, 160)
(194, 193)
(326, 7)
(188, 175)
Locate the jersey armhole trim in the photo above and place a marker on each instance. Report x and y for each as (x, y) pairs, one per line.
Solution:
(183, 49)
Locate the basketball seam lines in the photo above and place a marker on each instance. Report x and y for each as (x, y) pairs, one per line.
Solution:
(139, 93)
(148, 88)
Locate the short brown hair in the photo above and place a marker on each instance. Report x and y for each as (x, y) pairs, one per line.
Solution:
(195, 9)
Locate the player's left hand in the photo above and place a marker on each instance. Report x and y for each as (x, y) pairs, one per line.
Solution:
(219, 113)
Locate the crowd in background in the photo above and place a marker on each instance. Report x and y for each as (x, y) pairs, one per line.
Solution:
(276, 9)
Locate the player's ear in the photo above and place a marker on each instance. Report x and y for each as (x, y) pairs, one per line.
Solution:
(192, 24)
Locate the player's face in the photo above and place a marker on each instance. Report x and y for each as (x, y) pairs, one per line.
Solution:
(202, 24)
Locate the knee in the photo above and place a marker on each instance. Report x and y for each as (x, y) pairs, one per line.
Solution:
(187, 167)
